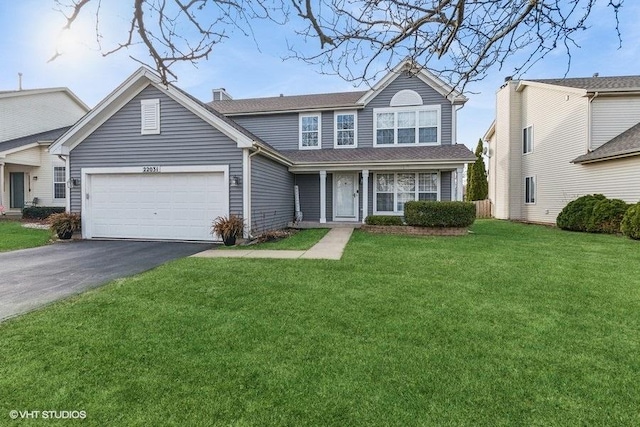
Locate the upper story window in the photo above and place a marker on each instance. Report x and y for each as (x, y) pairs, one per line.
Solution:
(346, 125)
(310, 131)
(59, 182)
(150, 116)
(407, 125)
(527, 140)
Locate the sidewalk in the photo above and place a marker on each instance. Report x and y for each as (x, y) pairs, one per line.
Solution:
(330, 246)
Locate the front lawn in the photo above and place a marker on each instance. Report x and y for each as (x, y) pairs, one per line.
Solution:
(512, 325)
(14, 236)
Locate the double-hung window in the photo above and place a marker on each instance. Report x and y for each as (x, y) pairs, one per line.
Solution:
(346, 125)
(59, 182)
(527, 140)
(407, 125)
(393, 190)
(530, 190)
(310, 131)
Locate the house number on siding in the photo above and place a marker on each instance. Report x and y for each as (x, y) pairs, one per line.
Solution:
(151, 169)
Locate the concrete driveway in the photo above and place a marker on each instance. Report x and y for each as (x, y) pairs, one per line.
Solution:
(31, 278)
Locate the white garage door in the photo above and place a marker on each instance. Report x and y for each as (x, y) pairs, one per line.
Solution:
(178, 206)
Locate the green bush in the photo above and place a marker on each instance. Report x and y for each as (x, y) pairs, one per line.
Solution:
(439, 214)
(40, 212)
(575, 216)
(384, 220)
(606, 216)
(630, 225)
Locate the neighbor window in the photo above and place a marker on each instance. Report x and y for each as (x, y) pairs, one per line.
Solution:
(530, 190)
(150, 116)
(393, 190)
(310, 131)
(345, 130)
(527, 140)
(405, 126)
(59, 182)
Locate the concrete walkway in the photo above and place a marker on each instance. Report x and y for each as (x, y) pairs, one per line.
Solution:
(330, 246)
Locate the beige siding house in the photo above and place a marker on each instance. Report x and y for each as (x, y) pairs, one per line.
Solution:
(30, 120)
(557, 139)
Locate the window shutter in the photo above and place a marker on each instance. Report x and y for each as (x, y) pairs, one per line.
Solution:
(150, 116)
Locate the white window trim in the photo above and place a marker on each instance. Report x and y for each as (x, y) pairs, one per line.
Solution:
(395, 190)
(396, 110)
(335, 128)
(319, 146)
(59, 182)
(535, 190)
(530, 141)
(144, 104)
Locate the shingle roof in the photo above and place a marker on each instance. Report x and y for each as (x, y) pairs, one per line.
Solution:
(627, 143)
(457, 152)
(50, 135)
(288, 103)
(592, 84)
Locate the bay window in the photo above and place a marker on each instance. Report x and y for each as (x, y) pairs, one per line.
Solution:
(405, 126)
(393, 190)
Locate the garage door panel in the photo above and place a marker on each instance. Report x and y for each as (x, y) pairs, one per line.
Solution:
(156, 206)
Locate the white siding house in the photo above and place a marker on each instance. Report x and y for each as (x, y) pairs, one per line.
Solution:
(555, 140)
(30, 120)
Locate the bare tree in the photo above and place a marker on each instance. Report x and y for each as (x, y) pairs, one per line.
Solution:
(357, 39)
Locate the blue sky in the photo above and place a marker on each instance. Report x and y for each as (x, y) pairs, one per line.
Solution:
(29, 29)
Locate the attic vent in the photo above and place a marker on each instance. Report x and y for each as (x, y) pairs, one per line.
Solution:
(150, 116)
(405, 97)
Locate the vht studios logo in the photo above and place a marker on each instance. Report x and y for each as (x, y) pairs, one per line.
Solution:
(48, 415)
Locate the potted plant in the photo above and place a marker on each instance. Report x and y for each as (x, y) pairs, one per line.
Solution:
(228, 228)
(64, 224)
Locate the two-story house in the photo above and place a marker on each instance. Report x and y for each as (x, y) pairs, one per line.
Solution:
(554, 140)
(30, 120)
(151, 161)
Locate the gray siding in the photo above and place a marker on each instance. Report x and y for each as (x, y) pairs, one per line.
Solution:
(185, 139)
(279, 130)
(445, 186)
(404, 81)
(272, 199)
(309, 189)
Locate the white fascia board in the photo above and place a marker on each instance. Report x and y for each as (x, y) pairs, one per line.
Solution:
(522, 84)
(490, 132)
(382, 165)
(18, 149)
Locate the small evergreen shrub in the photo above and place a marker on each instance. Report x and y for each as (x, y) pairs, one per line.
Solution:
(383, 220)
(630, 225)
(575, 216)
(439, 214)
(40, 212)
(606, 216)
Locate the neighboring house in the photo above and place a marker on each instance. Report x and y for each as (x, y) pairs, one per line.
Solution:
(557, 139)
(150, 161)
(30, 120)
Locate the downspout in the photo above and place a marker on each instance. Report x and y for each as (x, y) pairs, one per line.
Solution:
(454, 140)
(589, 120)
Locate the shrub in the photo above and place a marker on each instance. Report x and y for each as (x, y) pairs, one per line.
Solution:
(227, 227)
(575, 216)
(63, 223)
(439, 214)
(40, 212)
(384, 220)
(606, 216)
(630, 225)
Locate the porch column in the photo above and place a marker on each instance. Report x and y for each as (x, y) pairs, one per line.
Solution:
(323, 197)
(365, 194)
(2, 183)
(459, 183)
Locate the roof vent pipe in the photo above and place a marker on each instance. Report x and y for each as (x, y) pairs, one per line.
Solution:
(508, 78)
(596, 74)
(19, 81)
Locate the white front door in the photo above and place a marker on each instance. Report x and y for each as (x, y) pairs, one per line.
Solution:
(345, 199)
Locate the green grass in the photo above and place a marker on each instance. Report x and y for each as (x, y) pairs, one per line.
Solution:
(300, 241)
(512, 325)
(14, 236)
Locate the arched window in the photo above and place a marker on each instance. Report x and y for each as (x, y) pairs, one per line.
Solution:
(406, 98)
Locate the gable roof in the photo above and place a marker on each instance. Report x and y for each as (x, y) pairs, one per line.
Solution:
(6, 94)
(47, 136)
(597, 84)
(131, 87)
(335, 100)
(278, 104)
(624, 145)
